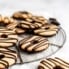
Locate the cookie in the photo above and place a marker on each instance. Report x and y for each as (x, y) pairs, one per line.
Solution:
(34, 44)
(12, 26)
(4, 21)
(3, 64)
(47, 30)
(16, 28)
(6, 31)
(10, 60)
(8, 52)
(8, 39)
(19, 31)
(7, 57)
(56, 63)
(21, 15)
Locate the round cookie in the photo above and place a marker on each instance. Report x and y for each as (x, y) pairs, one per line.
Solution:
(7, 57)
(6, 31)
(8, 52)
(56, 63)
(4, 21)
(15, 27)
(47, 30)
(34, 44)
(3, 64)
(8, 38)
(21, 15)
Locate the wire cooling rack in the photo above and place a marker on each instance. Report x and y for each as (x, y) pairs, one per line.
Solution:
(56, 42)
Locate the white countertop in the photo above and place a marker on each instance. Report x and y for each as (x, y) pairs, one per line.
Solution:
(57, 8)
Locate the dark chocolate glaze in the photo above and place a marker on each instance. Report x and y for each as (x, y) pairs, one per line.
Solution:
(18, 18)
(2, 24)
(29, 31)
(24, 12)
(47, 28)
(2, 56)
(35, 42)
(58, 67)
(4, 65)
(4, 36)
(54, 21)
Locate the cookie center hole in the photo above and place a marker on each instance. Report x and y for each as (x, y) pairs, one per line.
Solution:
(1, 56)
(57, 67)
(35, 41)
(33, 21)
(47, 28)
(4, 36)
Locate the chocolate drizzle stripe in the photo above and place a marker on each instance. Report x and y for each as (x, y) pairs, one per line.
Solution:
(45, 45)
(23, 40)
(11, 58)
(62, 61)
(8, 50)
(55, 62)
(43, 42)
(9, 53)
(48, 62)
(32, 44)
(8, 39)
(5, 62)
(31, 38)
(29, 45)
(45, 64)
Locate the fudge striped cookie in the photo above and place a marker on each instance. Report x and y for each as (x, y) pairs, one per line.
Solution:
(4, 21)
(7, 38)
(21, 15)
(6, 31)
(47, 30)
(55, 63)
(34, 44)
(7, 58)
(16, 28)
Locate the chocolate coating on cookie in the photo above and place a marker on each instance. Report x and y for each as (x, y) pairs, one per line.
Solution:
(33, 44)
(47, 30)
(56, 63)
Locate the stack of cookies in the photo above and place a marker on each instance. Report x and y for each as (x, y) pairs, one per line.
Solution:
(20, 23)
(37, 25)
